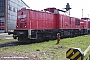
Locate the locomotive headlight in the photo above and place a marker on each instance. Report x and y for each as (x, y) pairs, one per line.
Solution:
(16, 26)
(25, 26)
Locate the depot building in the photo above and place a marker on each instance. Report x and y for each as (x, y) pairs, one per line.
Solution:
(8, 13)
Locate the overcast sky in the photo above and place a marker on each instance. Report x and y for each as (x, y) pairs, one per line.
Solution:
(76, 5)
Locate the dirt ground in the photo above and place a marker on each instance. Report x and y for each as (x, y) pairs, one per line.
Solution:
(14, 55)
(18, 56)
(5, 36)
(24, 56)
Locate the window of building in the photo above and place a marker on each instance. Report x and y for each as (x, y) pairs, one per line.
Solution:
(2, 0)
(1, 14)
(1, 3)
(18, 9)
(1, 9)
(2, 20)
(10, 8)
(14, 10)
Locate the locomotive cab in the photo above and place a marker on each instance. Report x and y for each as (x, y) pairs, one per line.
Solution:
(22, 25)
(22, 19)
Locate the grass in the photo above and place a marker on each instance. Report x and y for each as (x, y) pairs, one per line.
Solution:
(50, 50)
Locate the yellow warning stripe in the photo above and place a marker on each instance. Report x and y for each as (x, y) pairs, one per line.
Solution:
(74, 55)
(79, 58)
(69, 53)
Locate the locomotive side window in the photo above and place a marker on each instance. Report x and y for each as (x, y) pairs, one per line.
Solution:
(77, 22)
(66, 24)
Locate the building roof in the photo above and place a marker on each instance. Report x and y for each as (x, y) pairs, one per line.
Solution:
(25, 3)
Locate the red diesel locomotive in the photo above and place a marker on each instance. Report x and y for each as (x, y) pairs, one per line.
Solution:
(36, 26)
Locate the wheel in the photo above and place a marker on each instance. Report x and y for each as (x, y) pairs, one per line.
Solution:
(46, 39)
(40, 38)
(24, 40)
(71, 35)
(15, 37)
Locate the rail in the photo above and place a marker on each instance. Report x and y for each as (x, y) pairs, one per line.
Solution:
(85, 52)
